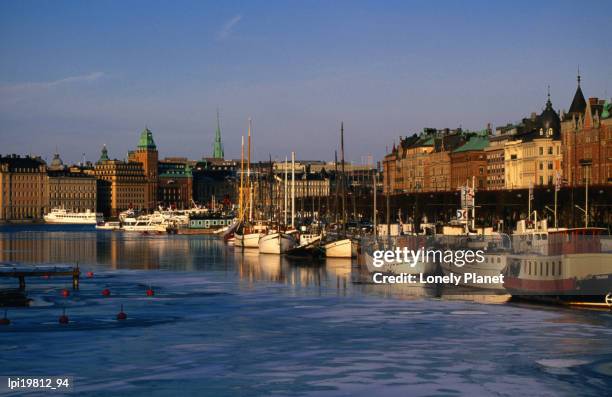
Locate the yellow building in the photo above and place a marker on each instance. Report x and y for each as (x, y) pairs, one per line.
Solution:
(23, 187)
(71, 188)
(121, 185)
(532, 162)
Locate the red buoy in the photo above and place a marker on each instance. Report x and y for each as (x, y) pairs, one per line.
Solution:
(90, 274)
(150, 292)
(65, 293)
(106, 292)
(45, 276)
(121, 315)
(5, 320)
(63, 319)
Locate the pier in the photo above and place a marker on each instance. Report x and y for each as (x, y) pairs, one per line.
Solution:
(40, 271)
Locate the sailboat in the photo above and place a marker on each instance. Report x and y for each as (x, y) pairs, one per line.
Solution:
(247, 235)
(342, 247)
(277, 241)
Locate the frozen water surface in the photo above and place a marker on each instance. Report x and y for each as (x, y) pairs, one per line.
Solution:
(223, 323)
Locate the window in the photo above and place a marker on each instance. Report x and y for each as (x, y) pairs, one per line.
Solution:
(541, 151)
(550, 150)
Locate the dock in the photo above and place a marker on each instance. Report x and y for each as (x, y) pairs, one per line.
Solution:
(21, 272)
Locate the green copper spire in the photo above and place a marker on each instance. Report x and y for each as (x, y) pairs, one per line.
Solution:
(103, 155)
(146, 140)
(218, 146)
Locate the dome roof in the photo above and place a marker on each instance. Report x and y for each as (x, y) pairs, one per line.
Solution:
(56, 163)
(550, 120)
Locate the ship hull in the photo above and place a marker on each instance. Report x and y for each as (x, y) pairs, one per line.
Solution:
(276, 243)
(341, 249)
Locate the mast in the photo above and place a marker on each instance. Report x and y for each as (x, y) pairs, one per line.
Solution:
(241, 196)
(343, 180)
(474, 202)
(286, 171)
(337, 186)
(374, 205)
(250, 187)
(292, 190)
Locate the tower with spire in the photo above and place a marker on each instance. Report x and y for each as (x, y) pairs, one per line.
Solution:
(218, 145)
(146, 154)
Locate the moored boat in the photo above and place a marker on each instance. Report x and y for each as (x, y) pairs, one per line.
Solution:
(63, 216)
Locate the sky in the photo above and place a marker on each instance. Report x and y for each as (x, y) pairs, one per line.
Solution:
(75, 75)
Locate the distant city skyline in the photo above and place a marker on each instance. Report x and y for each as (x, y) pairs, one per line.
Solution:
(77, 75)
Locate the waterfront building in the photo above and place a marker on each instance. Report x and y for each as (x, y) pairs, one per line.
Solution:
(175, 187)
(121, 185)
(23, 188)
(146, 154)
(215, 177)
(533, 157)
(438, 173)
(495, 155)
(70, 187)
(586, 132)
(468, 162)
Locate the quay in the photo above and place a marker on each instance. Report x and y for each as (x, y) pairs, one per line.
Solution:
(47, 271)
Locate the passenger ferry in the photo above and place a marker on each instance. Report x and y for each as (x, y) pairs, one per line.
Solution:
(562, 265)
(63, 216)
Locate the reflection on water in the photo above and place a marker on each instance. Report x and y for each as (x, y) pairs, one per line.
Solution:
(168, 252)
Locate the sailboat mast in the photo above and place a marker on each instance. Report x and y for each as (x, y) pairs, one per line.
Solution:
(241, 196)
(250, 187)
(343, 177)
(292, 190)
(285, 207)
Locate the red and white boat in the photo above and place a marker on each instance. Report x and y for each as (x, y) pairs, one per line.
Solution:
(562, 265)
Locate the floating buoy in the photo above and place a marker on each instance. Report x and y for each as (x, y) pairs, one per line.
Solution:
(63, 319)
(150, 291)
(45, 276)
(90, 274)
(65, 293)
(121, 315)
(106, 292)
(5, 320)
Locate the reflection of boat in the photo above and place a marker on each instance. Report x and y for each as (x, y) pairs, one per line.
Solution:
(276, 243)
(344, 248)
(63, 216)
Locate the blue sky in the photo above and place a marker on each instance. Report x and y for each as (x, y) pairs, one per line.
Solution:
(77, 75)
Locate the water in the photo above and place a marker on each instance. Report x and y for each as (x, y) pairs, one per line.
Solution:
(224, 324)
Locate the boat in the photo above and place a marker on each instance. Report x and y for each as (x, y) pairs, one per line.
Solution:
(396, 267)
(276, 243)
(147, 223)
(110, 225)
(248, 236)
(342, 248)
(63, 216)
(559, 265)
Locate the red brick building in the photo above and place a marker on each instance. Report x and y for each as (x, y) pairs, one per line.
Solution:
(469, 160)
(586, 133)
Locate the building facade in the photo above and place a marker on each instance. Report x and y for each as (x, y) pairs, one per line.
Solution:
(587, 141)
(146, 154)
(23, 188)
(121, 185)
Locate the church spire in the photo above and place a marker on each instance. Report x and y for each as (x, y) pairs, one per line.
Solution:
(218, 145)
(578, 105)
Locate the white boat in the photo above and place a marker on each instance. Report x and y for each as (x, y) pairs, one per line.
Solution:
(146, 223)
(492, 266)
(345, 248)
(111, 225)
(63, 216)
(248, 237)
(276, 243)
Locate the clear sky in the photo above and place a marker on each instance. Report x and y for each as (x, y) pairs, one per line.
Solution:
(80, 74)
